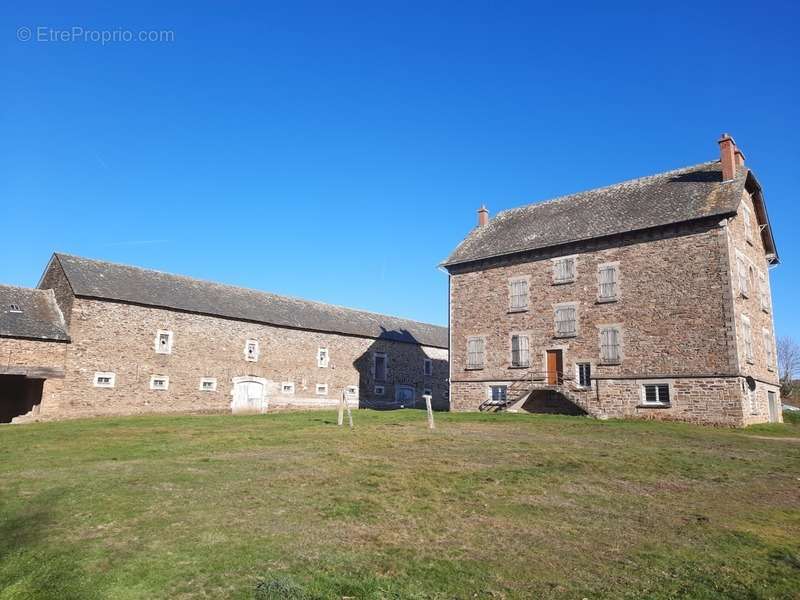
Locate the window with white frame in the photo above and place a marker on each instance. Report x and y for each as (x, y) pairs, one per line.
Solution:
(763, 291)
(287, 387)
(322, 358)
(768, 348)
(427, 367)
(352, 391)
(251, 350)
(744, 277)
(564, 269)
(583, 374)
(498, 393)
(610, 344)
(747, 338)
(104, 379)
(747, 221)
(322, 389)
(379, 366)
(608, 282)
(379, 390)
(566, 320)
(14, 308)
(163, 342)
(475, 350)
(159, 382)
(518, 289)
(427, 392)
(655, 394)
(208, 384)
(520, 351)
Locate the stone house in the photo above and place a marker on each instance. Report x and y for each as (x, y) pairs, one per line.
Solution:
(646, 299)
(98, 338)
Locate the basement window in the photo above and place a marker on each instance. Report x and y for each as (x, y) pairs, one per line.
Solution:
(159, 382)
(208, 384)
(380, 390)
(498, 393)
(322, 389)
(104, 380)
(655, 394)
(427, 392)
(287, 387)
(14, 308)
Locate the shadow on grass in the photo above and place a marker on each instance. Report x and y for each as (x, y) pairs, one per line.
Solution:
(31, 567)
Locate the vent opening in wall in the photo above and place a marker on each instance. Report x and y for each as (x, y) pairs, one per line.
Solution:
(159, 382)
(14, 308)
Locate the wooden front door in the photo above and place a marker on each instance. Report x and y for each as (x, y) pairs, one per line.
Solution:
(555, 367)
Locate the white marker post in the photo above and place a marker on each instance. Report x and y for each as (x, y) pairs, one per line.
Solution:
(343, 403)
(431, 424)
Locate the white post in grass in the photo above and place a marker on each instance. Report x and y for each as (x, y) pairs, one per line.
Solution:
(431, 424)
(343, 403)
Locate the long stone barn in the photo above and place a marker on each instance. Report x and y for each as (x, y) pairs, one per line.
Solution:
(97, 338)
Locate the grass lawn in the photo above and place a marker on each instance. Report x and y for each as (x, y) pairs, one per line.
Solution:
(486, 506)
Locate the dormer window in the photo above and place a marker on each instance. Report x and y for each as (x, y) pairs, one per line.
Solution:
(14, 308)
(251, 350)
(163, 342)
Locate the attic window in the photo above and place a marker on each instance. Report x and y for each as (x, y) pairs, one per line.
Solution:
(15, 308)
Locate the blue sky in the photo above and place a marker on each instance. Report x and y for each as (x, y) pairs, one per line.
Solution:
(338, 151)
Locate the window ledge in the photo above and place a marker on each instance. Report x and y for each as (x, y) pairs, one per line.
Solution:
(654, 406)
(566, 281)
(511, 311)
(750, 361)
(473, 368)
(606, 300)
(610, 363)
(519, 367)
(563, 336)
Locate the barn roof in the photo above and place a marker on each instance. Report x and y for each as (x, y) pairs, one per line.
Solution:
(122, 283)
(32, 314)
(664, 199)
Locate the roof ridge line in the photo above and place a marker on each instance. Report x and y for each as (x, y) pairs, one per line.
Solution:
(606, 187)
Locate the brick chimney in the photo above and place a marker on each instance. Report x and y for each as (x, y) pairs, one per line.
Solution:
(483, 216)
(730, 156)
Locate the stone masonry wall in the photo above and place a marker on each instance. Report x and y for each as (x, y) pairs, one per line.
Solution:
(120, 338)
(672, 311)
(749, 304)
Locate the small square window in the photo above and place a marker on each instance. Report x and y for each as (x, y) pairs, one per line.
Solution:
(14, 308)
(322, 358)
(352, 391)
(208, 384)
(104, 379)
(427, 366)
(251, 350)
(159, 382)
(163, 342)
(427, 392)
(380, 390)
(322, 389)
(287, 387)
(498, 393)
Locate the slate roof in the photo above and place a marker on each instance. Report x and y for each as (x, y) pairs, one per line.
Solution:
(39, 317)
(110, 281)
(675, 196)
